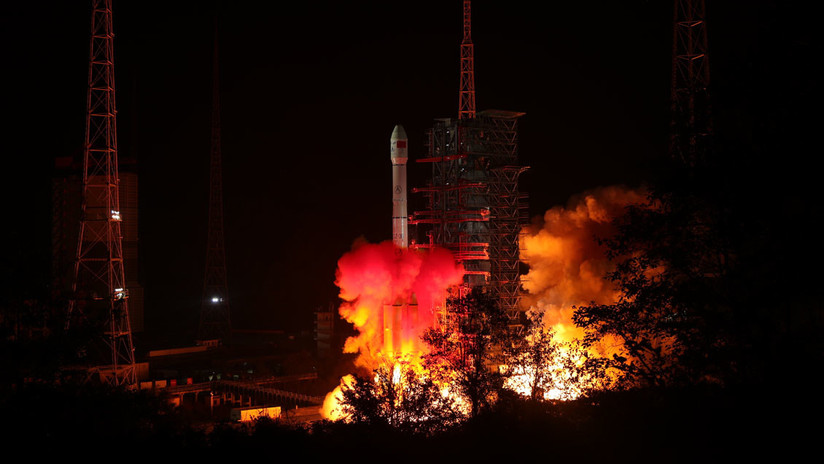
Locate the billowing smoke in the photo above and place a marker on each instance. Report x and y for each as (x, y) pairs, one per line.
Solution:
(374, 276)
(371, 276)
(567, 269)
(567, 264)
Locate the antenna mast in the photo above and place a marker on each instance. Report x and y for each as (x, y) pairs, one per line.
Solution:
(466, 104)
(691, 125)
(215, 321)
(99, 299)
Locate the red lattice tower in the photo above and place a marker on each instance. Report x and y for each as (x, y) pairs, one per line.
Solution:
(691, 125)
(474, 206)
(466, 103)
(98, 307)
(215, 320)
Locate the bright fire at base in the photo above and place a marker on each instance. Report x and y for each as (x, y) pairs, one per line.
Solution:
(380, 284)
(396, 384)
(391, 296)
(562, 378)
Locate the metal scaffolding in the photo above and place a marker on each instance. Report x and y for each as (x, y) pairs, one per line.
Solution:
(474, 207)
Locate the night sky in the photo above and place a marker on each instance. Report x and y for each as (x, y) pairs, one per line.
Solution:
(310, 94)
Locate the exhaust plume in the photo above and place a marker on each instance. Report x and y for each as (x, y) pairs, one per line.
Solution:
(567, 264)
(375, 277)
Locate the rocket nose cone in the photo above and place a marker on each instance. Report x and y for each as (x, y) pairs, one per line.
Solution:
(398, 133)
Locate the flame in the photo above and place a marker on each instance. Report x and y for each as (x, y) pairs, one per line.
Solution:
(404, 375)
(331, 408)
(390, 295)
(373, 276)
(563, 377)
(567, 269)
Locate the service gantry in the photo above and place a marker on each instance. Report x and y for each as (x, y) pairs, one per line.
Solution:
(474, 206)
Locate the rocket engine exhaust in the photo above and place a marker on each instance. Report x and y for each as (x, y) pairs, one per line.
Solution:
(389, 291)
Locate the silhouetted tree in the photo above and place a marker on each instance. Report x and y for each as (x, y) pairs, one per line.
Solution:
(465, 352)
(536, 364)
(398, 397)
(702, 281)
(671, 267)
(74, 417)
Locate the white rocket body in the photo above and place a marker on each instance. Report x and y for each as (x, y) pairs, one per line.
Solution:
(400, 317)
(399, 155)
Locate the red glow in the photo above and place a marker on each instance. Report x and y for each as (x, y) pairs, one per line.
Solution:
(374, 276)
(390, 295)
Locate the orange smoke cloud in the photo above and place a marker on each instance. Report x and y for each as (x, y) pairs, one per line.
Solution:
(372, 276)
(567, 264)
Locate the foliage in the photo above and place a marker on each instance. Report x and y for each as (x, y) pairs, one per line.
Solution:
(537, 365)
(670, 265)
(533, 355)
(703, 284)
(77, 417)
(455, 380)
(401, 398)
(465, 351)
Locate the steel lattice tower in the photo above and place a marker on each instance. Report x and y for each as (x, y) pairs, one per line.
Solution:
(474, 207)
(215, 321)
(99, 300)
(691, 125)
(466, 99)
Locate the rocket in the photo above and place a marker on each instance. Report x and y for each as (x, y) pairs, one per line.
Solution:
(399, 155)
(400, 317)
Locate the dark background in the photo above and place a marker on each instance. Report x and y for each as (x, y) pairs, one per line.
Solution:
(310, 94)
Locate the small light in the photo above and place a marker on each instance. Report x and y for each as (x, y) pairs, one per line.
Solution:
(115, 215)
(216, 299)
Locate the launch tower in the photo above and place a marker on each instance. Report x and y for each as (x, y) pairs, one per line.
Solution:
(474, 206)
